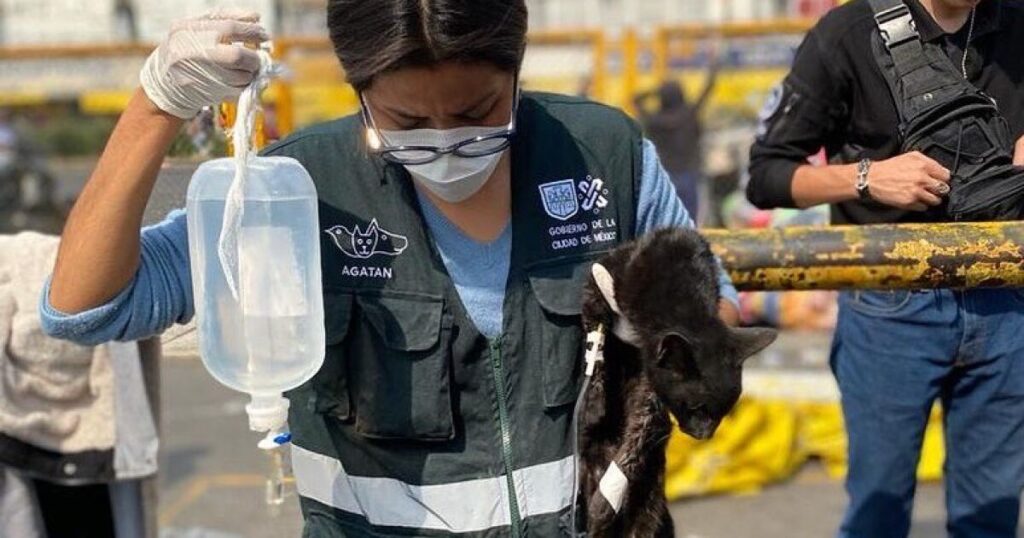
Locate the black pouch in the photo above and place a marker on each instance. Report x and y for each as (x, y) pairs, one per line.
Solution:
(967, 135)
(947, 118)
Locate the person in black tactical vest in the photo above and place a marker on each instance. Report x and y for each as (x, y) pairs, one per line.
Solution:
(912, 101)
(460, 217)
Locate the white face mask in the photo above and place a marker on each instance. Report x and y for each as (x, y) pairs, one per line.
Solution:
(452, 178)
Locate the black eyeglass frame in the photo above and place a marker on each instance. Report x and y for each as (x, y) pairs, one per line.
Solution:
(388, 152)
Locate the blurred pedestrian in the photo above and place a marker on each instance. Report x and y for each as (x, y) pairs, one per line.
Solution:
(676, 128)
(896, 352)
(78, 439)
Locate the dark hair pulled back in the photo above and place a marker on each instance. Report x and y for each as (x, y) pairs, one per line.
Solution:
(372, 37)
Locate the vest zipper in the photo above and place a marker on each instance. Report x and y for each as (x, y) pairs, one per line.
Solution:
(497, 368)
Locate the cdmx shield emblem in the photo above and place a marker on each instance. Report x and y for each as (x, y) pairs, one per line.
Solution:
(560, 199)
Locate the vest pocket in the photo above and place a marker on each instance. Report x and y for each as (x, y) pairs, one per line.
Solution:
(331, 391)
(400, 352)
(559, 292)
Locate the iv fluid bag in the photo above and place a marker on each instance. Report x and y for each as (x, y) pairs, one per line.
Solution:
(260, 313)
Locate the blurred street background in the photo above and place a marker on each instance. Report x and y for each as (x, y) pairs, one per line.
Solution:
(68, 67)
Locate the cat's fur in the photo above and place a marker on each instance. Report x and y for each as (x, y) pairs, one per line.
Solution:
(667, 351)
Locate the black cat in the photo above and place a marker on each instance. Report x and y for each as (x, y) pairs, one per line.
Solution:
(665, 351)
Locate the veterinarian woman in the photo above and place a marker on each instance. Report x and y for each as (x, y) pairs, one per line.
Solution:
(453, 357)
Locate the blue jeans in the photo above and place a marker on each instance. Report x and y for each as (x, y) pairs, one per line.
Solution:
(894, 354)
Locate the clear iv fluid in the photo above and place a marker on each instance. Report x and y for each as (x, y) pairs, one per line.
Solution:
(239, 346)
(271, 338)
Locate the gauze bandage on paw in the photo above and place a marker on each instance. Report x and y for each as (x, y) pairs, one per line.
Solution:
(613, 486)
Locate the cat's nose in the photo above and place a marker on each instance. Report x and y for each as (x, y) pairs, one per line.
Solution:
(704, 434)
(701, 430)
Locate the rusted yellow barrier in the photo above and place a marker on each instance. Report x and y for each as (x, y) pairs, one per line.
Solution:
(914, 256)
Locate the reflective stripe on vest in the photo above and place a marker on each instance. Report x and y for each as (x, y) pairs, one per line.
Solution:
(459, 507)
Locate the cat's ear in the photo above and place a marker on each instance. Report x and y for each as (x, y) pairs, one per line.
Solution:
(750, 341)
(606, 284)
(675, 352)
(373, 229)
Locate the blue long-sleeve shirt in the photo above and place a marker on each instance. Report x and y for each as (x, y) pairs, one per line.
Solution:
(160, 295)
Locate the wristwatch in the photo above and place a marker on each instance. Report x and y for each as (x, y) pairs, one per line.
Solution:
(863, 192)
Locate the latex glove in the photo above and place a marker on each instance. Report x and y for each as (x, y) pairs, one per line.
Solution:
(197, 65)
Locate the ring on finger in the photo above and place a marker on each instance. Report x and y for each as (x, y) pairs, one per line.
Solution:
(941, 188)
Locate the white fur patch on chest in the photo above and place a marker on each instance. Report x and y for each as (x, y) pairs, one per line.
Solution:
(625, 331)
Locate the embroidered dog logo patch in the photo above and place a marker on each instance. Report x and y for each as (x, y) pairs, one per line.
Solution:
(559, 199)
(364, 244)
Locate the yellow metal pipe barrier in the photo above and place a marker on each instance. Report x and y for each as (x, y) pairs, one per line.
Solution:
(50, 52)
(53, 52)
(285, 45)
(600, 71)
(664, 35)
(305, 42)
(906, 256)
(580, 36)
(317, 43)
(630, 68)
(739, 28)
(660, 54)
(284, 103)
(565, 37)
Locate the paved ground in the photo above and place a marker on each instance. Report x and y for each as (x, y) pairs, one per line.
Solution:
(810, 506)
(212, 474)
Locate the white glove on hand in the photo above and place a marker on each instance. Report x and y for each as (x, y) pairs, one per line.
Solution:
(197, 65)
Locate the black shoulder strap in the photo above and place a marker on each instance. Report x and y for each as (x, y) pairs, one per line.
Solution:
(912, 70)
(899, 33)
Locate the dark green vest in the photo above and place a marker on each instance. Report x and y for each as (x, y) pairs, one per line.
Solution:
(415, 419)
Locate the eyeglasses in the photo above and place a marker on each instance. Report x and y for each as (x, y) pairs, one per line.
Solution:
(480, 146)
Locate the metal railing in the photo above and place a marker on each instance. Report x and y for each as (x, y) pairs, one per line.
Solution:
(627, 47)
(665, 35)
(897, 256)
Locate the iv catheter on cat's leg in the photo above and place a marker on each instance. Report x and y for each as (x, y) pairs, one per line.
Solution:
(594, 355)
